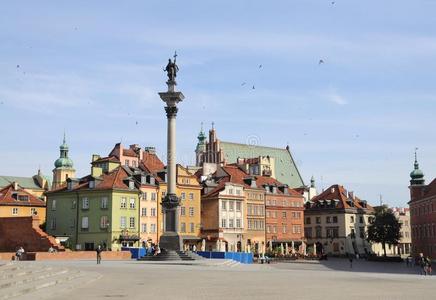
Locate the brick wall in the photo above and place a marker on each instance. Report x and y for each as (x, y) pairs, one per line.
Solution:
(70, 255)
(25, 232)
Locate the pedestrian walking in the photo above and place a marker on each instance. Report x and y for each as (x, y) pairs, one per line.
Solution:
(99, 250)
(350, 257)
(428, 264)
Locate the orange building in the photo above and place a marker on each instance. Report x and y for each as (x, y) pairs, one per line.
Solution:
(15, 201)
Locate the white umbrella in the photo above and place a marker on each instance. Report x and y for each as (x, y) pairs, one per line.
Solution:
(293, 247)
(314, 249)
(203, 245)
(286, 249)
(281, 249)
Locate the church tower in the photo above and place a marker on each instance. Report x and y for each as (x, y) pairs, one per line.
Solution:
(201, 148)
(417, 181)
(63, 167)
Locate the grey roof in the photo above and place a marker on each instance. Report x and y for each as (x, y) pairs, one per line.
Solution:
(25, 182)
(285, 168)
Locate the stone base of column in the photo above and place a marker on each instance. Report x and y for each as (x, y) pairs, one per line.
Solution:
(170, 241)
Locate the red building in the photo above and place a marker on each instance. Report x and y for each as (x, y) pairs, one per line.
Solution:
(422, 213)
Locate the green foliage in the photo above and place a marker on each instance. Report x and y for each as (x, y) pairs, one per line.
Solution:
(385, 228)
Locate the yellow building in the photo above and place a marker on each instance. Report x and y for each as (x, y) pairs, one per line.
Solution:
(15, 201)
(188, 190)
(63, 167)
(37, 185)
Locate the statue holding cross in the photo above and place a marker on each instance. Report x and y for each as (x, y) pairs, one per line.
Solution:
(172, 69)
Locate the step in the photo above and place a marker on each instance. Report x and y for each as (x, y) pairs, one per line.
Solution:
(30, 277)
(40, 283)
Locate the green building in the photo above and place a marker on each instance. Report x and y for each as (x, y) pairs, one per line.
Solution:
(98, 209)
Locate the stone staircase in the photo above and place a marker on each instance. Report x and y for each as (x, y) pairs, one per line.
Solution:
(170, 255)
(27, 279)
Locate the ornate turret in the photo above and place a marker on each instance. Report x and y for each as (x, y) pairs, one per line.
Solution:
(63, 166)
(417, 176)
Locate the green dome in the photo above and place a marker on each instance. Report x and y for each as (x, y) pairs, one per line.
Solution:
(63, 162)
(416, 173)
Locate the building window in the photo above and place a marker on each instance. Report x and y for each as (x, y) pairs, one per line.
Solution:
(103, 203)
(351, 219)
(231, 205)
(132, 222)
(123, 202)
(238, 192)
(153, 212)
(238, 223)
(153, 196)
(318, 232)
(335, 219)
(73, 204)
(123, 222)
(362, 232)
(191, 227)
(144, 196)
(183, 196)
(238, 206)
(15, 211)
(183, 227)
(53, 224)
(132, 203)
(318, 220)
(134, 163)
(182, 210)
(191, 211)
(144, 211)
(153, 228)
(328, 219)
(223, 223)
(308, 232)
(33, 211)
(191, 196)
(283, 215)
(361, 220)
(92, 184)
(224, 205)
(103, 222)
(127, 162)
(53, 204)
(163, 194)
(231, 223)
(143, 227)
(268, 229)
(231, 191)
(85, 223)
(131, 184)
(85, 203)
(284, 229)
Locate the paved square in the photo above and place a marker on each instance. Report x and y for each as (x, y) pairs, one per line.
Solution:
(202, 280)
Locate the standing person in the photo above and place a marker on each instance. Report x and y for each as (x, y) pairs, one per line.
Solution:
(428, 263)
(194, 248)
(423, 264)
(350, 257)
(99, 250)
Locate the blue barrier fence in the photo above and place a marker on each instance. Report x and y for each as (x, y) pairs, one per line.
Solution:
(135, 252)
(242, 257)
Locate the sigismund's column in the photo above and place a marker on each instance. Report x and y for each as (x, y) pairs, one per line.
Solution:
(170, 240)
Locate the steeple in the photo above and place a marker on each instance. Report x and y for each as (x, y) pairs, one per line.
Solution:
(417, 176)
(201, 136)
(201, 146)
(63, 166)
(63, 161)
(312, 182)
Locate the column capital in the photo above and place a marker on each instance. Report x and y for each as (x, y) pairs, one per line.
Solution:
(171, 111)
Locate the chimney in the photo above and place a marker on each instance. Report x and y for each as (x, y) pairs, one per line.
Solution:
(351, 195)
(15, 185)
(95, 157)
(149, 149)
(284, 188)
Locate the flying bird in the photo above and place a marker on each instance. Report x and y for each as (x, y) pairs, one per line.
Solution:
(18, 66)
(253, 87)
(260, 66)
(333, 2)
(320, 62)
(242, 84)
(136, 122)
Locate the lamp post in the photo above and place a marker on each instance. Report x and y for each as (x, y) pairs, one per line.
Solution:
(170, 240)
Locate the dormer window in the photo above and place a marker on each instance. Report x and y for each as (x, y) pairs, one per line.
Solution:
(131, 185)
(70, 185)
(92, 184)
(23, 198)
(143, 180)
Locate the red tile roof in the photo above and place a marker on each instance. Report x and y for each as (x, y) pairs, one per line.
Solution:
(129, 152)
(338, 192)
(152, 162)
(430, 189)
(107, 158)
(7, 198)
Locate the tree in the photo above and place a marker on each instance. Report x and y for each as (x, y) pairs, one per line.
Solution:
(385, 228)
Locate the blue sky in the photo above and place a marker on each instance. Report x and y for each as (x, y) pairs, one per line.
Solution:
(94, 68)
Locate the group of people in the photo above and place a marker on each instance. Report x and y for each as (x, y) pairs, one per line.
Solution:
(153, 249)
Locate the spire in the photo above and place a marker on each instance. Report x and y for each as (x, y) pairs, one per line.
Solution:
(63, 160)
(64, 138)
(417, 176)
(312, 182)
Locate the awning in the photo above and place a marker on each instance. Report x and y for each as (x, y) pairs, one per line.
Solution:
(129, 238)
